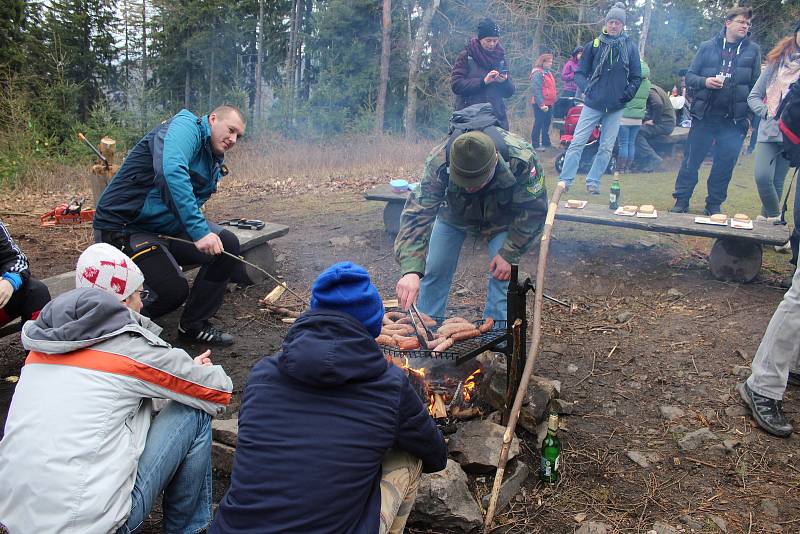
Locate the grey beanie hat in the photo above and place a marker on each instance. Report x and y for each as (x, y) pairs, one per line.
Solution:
(617, 13)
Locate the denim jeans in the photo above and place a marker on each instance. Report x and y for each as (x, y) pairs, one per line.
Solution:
(726, 138)
(176, 461)
(608, 136)
(440, 266)
(540, 133)
(627, 141)
(770, 173)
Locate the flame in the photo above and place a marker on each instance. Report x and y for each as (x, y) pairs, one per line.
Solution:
(469, 387)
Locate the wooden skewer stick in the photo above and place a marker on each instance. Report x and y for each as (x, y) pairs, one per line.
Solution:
(508, 435)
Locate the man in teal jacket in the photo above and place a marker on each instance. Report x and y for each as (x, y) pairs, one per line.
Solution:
(159, 190)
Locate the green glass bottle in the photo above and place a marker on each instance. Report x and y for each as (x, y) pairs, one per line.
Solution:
(551, 452)
(616, 193)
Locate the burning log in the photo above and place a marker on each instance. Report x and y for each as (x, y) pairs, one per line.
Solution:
(437, 407)
(465, 413)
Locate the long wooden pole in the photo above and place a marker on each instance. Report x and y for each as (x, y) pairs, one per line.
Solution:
(508, 435)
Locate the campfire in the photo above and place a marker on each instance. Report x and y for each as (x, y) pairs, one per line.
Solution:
(448, 396)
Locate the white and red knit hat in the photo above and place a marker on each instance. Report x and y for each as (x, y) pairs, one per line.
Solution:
(107, 268)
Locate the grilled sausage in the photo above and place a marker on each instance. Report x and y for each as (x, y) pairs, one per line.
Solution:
(394, 316)
(443, 345)
(387, 340)
(465, 334)
(452, 320)
(452, 328)
(394, 328)
(487, 325)
(406, 343)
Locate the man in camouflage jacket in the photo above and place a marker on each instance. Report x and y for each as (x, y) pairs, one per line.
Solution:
(491, 186)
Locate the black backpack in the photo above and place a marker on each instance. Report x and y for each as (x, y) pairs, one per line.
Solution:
(789, 122)
(478, 117)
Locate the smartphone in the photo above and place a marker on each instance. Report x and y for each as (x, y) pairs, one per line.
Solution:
(503, 68)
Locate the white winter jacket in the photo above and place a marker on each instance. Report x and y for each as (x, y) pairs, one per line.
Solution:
(81, 412)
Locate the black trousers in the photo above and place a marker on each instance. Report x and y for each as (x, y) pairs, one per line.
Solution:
(726, 138)
(26, 302)
(160, 261)
(540, 133)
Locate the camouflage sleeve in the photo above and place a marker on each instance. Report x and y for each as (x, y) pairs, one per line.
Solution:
(419, 213)
(530, 201)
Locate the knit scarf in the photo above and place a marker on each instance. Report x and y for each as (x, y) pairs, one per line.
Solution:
(486, 59)
(786, 74)
(614, 45)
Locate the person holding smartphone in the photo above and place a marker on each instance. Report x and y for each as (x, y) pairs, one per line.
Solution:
(481, 73)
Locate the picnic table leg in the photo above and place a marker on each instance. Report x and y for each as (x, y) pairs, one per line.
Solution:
(735, 260)
(261, 255)
(391, 217)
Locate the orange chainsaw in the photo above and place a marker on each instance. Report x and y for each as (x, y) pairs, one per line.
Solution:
(72, 213)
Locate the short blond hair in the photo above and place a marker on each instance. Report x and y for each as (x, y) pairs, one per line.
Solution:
(225, 110)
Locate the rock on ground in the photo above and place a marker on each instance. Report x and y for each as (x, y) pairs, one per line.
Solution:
(476, 446)
(663, 528)
(593, 528)
(541, 392)
(514, 478)
(695, 439)
(670, 413)
(445, 502)
(225, 431)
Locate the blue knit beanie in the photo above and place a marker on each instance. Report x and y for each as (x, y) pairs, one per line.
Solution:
(346, 287)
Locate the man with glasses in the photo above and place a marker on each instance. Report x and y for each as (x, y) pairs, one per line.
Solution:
(721, 76)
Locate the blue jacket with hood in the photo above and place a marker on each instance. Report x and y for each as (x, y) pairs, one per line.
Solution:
(315, 422)
(164, 181)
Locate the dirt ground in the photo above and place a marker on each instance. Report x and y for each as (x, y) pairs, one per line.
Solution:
(652, 329)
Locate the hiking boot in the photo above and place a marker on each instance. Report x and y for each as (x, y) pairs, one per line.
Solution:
(681, 206)
(593, 189)
(767, 412)
(208, 334)
(794, 379)
(712, 210)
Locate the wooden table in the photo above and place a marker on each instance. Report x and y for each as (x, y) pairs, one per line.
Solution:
(735, 256)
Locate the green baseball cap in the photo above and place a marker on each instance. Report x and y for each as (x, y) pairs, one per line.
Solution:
(472, 158)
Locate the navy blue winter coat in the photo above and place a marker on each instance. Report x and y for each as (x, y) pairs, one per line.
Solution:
(315, 422)
(616, 85)
(164, 181)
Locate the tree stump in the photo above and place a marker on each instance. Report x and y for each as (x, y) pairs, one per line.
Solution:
(735, 260)
(102, 174)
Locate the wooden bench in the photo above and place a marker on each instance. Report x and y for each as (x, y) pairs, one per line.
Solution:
(394, 205)
(253, 245)
(735, 256)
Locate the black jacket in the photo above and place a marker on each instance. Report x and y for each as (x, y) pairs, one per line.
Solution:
(316, 420)
(616, 85)
(12, 259)
(707, 63)
(467, 84)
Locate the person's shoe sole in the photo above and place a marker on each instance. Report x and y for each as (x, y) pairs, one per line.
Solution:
(741, 387)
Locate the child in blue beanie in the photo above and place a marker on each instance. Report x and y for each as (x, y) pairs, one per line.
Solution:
(332, 437)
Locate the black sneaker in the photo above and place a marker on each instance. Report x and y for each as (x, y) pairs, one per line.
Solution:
(767, 412)
(794, 379)
(681, 206)
(711, 210)
(593, 189)
(208, 334)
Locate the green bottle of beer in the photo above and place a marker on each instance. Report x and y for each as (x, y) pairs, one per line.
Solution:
(551, 452)
(616, 193)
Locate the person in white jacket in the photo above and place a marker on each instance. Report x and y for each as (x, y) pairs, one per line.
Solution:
(81, 452)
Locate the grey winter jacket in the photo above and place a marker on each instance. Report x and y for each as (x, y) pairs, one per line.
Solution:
(81, 412)
(768, 130)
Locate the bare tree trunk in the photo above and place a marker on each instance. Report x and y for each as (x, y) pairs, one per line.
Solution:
(410, 113)
(144, 43)
(648, 14)
(211, 71)
(126, 16)
(541, 11)
(291, 57)
(305, 86)
(259, 59)
(385, 50)
(187, 79)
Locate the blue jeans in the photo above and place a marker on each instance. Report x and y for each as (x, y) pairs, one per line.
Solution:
(176, 461)
(727, 138)
(608, 136)
(440, 266)
(627, 142)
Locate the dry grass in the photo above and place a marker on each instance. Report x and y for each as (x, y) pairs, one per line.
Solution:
(270, 159)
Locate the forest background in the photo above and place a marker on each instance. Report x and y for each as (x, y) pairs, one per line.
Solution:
(300, 69)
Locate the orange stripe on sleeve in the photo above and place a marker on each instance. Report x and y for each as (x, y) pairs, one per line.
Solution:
(119, 364)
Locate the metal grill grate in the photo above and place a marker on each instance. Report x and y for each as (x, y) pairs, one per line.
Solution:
(461, 350)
